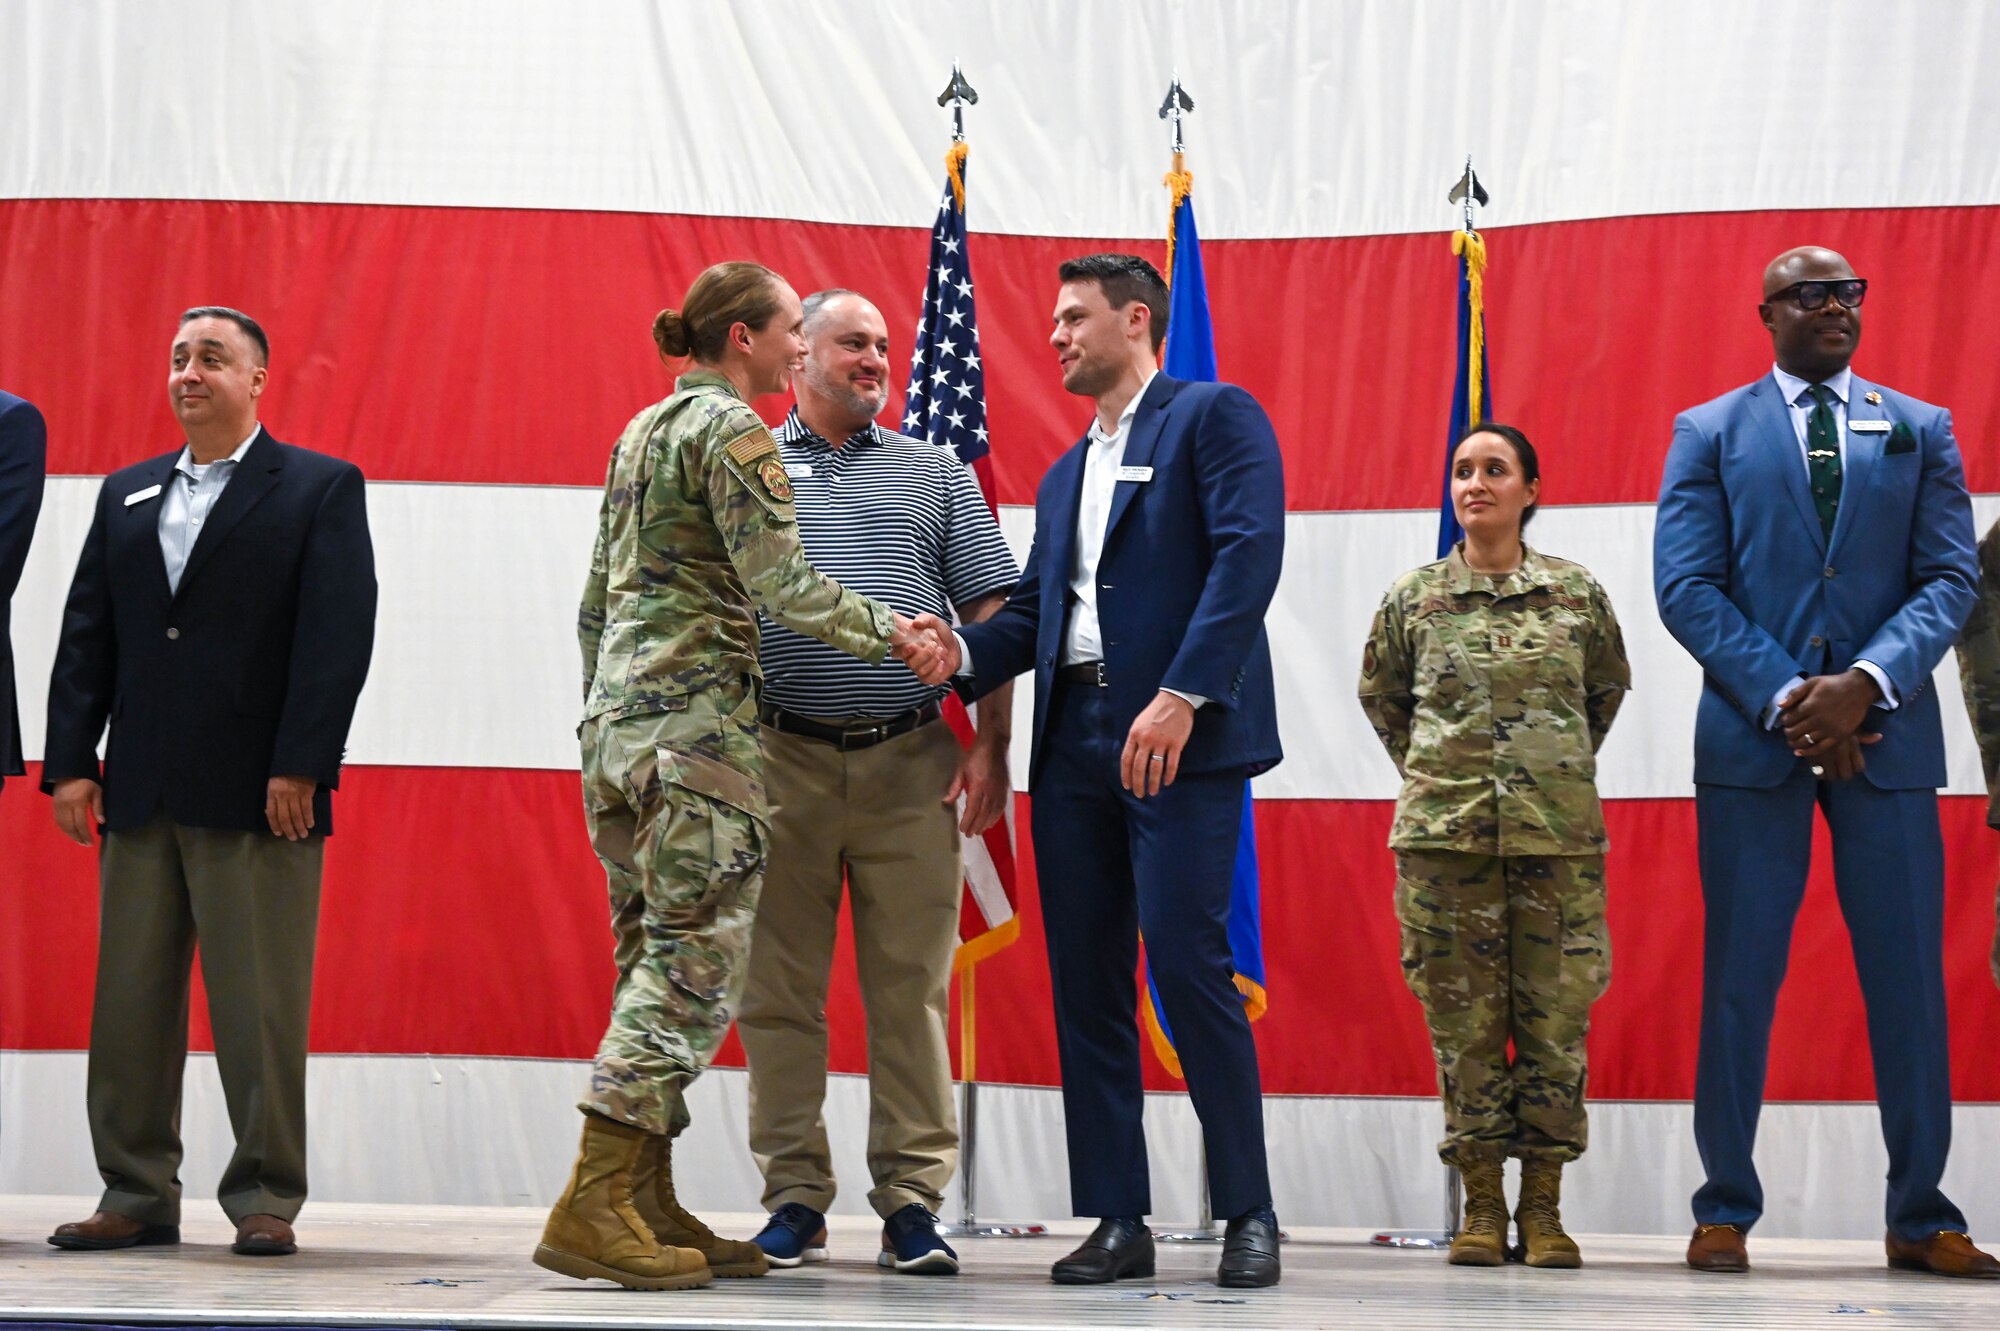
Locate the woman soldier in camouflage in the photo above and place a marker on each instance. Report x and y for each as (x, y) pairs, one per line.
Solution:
(695, 535)
(1491, 677)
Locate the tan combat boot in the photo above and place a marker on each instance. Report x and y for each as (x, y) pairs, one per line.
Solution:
(653, 1193)
(1539, 1217)
(1482, 1239)
(594, 1231)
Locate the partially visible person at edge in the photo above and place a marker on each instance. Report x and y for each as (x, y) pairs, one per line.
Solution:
(1492, 677)
(695, 535)
(864, 779)
(1979, 674)
(1814, 551)
(23, 456)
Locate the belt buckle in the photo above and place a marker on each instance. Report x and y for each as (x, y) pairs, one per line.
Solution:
(868, 733)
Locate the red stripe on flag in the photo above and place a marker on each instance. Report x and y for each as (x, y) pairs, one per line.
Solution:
(511, 346)
(463, 913)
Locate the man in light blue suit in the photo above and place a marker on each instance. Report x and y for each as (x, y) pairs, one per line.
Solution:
(1814, 551)
(1158, 541)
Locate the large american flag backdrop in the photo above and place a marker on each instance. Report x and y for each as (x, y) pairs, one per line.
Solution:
(457, 220)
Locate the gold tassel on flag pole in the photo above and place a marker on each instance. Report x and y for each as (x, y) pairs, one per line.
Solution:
(1470, 246)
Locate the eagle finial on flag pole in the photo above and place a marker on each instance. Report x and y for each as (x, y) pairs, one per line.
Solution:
(1177, 104)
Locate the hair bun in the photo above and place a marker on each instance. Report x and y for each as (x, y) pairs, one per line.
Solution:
(670, 334)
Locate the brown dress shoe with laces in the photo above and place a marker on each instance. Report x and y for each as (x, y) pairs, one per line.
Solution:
(1945, 1253)
(1718, 1248)
(106, 1230)
(264, 1236)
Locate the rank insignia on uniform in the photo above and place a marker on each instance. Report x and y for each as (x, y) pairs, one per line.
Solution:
(1873, 399)
(772, 473)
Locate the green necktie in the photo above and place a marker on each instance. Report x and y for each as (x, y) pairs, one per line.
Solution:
(1823, 457)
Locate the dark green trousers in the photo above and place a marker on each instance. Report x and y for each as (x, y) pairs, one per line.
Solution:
(251, 900)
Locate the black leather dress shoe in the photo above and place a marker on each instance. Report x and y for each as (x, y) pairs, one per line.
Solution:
(1249, 1251)
(1116, 1250)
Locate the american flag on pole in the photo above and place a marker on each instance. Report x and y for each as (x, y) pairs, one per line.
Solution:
(947, 405)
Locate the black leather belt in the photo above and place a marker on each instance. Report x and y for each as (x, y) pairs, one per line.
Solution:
(848, 738)
(1088, 673)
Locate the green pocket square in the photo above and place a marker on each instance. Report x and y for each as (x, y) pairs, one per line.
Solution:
(1901, 440)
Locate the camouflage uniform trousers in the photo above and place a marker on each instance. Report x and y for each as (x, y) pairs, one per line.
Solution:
(678, 818)
(1499, 948)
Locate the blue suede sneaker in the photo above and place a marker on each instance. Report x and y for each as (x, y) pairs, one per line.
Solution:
(911, 1242)
(795, 1233)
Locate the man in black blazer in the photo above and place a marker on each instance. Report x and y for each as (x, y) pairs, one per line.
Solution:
(1158, 541)
(221, 620)
(23, 460)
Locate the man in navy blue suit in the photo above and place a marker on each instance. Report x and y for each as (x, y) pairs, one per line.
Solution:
(1814, 551)
(1158, 540)
(23, 459)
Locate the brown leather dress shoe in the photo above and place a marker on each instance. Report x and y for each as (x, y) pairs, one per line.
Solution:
(1718, 1248)
(1946, 1253)
(264, 1236)
(107, 1229)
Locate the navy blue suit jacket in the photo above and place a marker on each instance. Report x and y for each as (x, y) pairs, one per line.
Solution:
(1190, 563)
(250, 670)
(23, 461)
(1750, 585)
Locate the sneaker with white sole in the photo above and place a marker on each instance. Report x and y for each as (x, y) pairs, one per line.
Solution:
(795, 1233)
(911, 1243)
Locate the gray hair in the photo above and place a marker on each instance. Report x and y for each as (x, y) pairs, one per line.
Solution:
(818, 301)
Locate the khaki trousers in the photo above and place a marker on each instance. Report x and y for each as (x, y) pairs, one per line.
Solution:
(877, 816)
(252, 901)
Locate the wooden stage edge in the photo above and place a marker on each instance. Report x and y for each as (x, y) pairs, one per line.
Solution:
(453, 1266)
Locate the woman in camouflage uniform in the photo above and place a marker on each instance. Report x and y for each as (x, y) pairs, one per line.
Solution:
(695, 535)
(1491, 677)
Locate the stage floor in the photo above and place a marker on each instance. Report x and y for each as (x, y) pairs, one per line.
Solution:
(399, 1266)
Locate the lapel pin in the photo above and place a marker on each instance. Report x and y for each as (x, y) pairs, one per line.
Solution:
(1873, 399)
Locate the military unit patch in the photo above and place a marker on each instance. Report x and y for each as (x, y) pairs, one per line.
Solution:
(772, 473)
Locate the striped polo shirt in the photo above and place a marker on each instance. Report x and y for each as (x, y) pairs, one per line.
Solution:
(895, 518)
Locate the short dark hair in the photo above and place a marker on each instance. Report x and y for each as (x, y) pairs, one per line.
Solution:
(1524, 452)
(1124, 278)
(251, 328)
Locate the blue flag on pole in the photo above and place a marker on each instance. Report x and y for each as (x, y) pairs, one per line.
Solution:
(1472, 391)
(1190, 354)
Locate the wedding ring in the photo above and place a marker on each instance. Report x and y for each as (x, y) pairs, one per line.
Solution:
(1809, 739)
(1158, 758)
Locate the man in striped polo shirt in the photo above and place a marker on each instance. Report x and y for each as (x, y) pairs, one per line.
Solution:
(865, 783)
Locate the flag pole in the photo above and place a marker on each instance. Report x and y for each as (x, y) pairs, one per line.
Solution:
(1471, 249)
(957, 95)
(1179, 181)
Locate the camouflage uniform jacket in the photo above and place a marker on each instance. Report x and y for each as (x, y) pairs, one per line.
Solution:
(695, 535)
(1979, 669)
(1492, 695)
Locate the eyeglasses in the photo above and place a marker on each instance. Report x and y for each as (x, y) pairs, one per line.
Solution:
(1811, 295)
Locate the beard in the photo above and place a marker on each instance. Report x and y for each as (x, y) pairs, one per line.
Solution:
(842, 394)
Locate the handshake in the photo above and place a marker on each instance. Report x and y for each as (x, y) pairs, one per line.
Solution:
(927, 646)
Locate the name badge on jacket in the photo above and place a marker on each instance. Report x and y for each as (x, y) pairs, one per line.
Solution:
(1869, 427)
(141, 496)
(1135, 473)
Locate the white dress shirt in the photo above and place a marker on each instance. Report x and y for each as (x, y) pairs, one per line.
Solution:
(191, 495)
(1797, 394)
(1105, 453)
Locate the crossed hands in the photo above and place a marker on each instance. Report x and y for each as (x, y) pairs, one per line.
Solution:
(1822, 721)
(927, 646)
